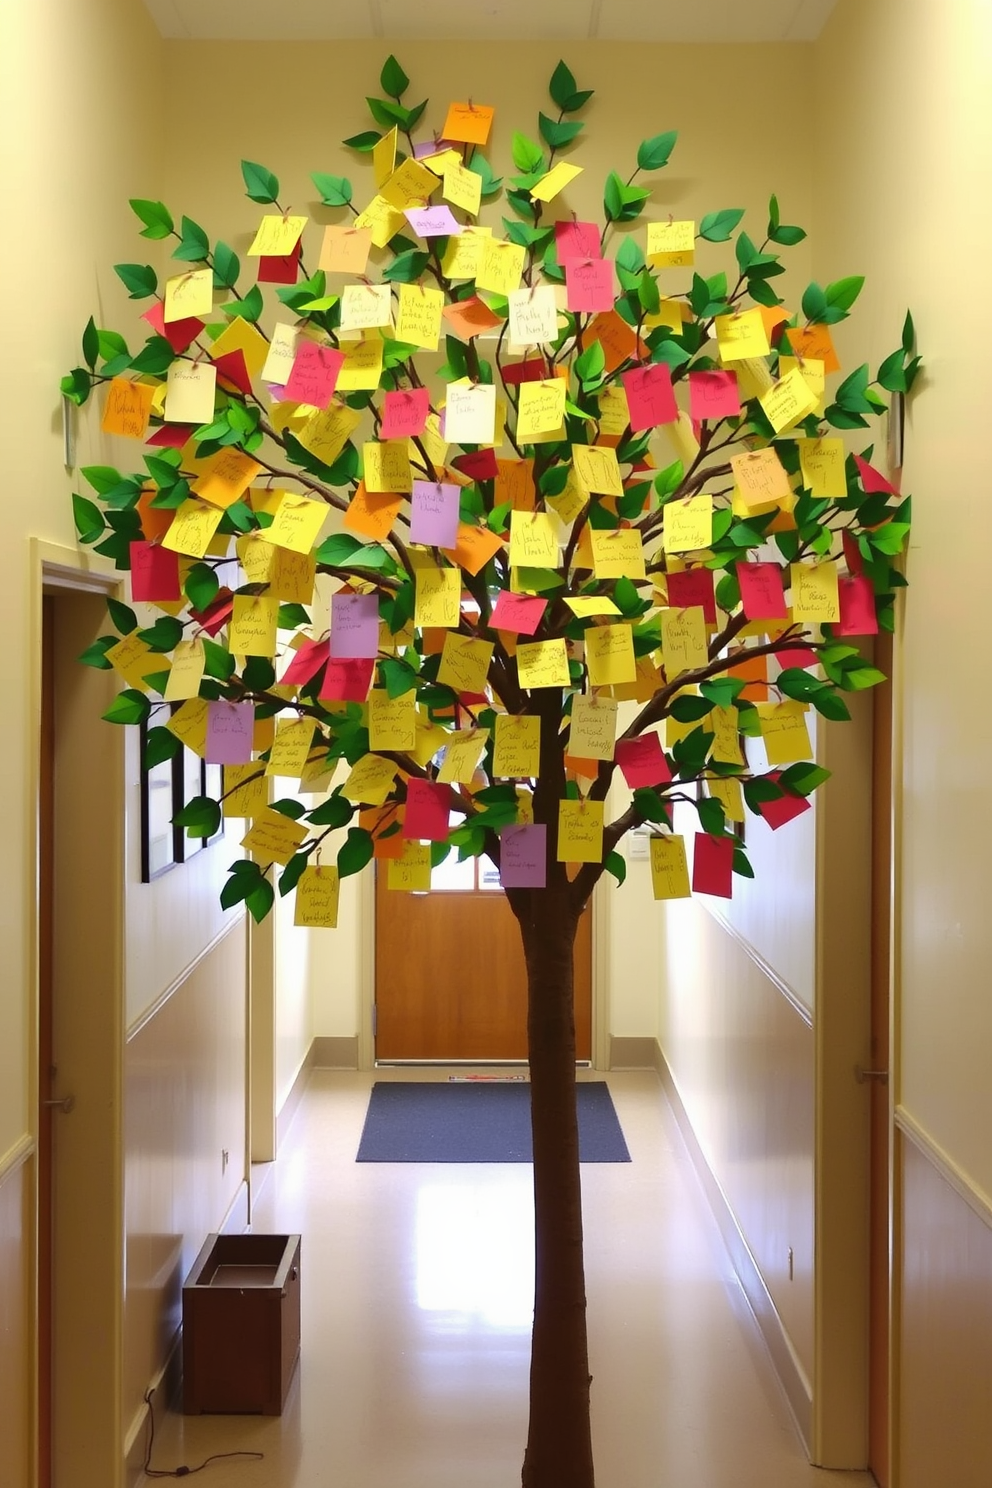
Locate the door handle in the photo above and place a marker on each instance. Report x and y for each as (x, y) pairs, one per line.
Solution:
(65, 1105)
(861, 1075)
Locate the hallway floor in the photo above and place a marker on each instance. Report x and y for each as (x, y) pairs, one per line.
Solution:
(416, 1293)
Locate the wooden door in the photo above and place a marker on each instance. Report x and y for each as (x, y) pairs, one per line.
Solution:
(449, 971)
(46, 1067)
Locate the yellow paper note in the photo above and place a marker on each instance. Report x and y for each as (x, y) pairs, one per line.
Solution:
(438, 597)
(463, 253)
(412, 872)
(788, 401)
(593, 729)
(241, 335)
(387, 466)
(326, 432)
(610, 655)
(596, 469)
(292, 576)
(815, 594)
(296, 523)
(462, 187)
(617, 553)
(392, 721)
(813, 371)
(345, 250)
(290, 748)
(742, 335)
(246, 790)
(500, 266)
(671, 244)
(465, 663)
(671, 313)
(382, 220)
(128, 408)
(277, 236)
(317, 894)
(189, 724)
(822, 464)
(571, 503)
(133, 659)
(533, 540)
(227, 476)
(384, 157)
(753, 378)
(614, 415)
(683, 640)
(189, 295)
(541, 409)
(669, 871)
(689, 524)
(542, 664)
(274, 837)
(724, 724)
(186, 673)
(193, 525)
(252, 630)
(410, 185)
(370, 780)
(418, 319)
(784, 732)
(434, 444)
(557, 178)
(190, 391)
(593, 604)
(463, 751)
(728, 792)
(517, 748)
(365, 307)
(760, 477)
(580, 831)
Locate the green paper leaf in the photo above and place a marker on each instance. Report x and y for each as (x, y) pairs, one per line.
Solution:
(406, 268)
(155, 357)
(227, 267)
(293, 872)
(122, 617)
(88, 519)
(561, 86)
(841, 295)
(156, 217)
(616, 864)
(365, 142)
(814, 303)
(527, 155)
(335, 191)
(160, 745)
(201, 585)
(653, 153)
(164, 635)
(76, 386)
(96, 655)
(194, 245)
(392, 79)
(559, 132)
(741, 864)
(334, 812)
(91, 343)
(128, 707)
(356, 850)
(140, 280)
(201, 817)
(260, 184)
(717, 227)
(249, 308)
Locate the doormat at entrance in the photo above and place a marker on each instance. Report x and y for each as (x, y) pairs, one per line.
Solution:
(418, 1121)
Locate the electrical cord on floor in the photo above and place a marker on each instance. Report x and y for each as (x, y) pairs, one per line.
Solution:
(183, 1471)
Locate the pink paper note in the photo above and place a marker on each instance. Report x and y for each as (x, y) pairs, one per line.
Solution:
(480, 464)
(404, 414)
(713, 395)
(171, 436)
(179, 333)
(520, 613)
(713, 866)
(872, 479)
(347, 681)
(785, 809)
(589, 284)
(434, 514)
(232, 366)
(650, 397)
(857, 607)
(315, 374)
(852, 552)
(427, 807)
(643, 761)
(230, 727)
(576, 240)
(693, 588)
(523, 856)
(762, 594)
(796, 656)
(154, 573)
(354, 626)
(433, 222)
(306, 663)
(280, 268)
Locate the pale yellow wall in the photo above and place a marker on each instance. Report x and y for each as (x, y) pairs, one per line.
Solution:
(915, 81)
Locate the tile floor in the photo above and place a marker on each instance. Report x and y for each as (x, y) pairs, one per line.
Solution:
(416, 1293)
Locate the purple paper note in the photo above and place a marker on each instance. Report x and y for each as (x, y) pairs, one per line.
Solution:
(523, 855)
(230, 727)
(354, 626)
(432, 147)
(434, 514)
(433, 222)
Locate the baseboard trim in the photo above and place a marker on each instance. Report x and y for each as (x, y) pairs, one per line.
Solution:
(628, 1053)
(792, 1376)
(335, 1053)
(978, 1201)
(290, 1106)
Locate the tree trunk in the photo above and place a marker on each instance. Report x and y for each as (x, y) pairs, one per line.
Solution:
(559, 1443)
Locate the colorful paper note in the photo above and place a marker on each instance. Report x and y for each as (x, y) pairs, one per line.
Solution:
(822, 465)
(469, 123)
(347, 681)
(713, 395)
(154, 573)
(354, 626)
(433, 222)
(597, 469)
(190, 391)
(189, 295)
(617, 553)
(590, 284)
(241, 335)
(689, 524)
(741, 335)
(724, 725)
(501, 265)
(290, 749)
(784, 732)
(252, 630)
(533, 540)
(650, 396)
(306, 662)
(580, 831)
(418, 317)
(760, 477)
(523, 856)
(690, 588)
(427, 810)
(411, 185)
(462, 754)
(464, 663)
(345, 250)
(371, 514)
(296, 523)
(469, 318)
(362, 367)
(541, 409)
(517, 747)
(438, 597)
(370, 780)
(229, 733)
(815, 592)
(520, 614)
(387, 466)
(470, 415)
(246, 791)
(610, 654)
(787, 401)
(273, 837)
(434, 514)
(382, 219)
(474, 547)
(463, 253)
(276, 236)
(576, 240)
(815, 343)
(872, 479)
(314, 375)
(642, 761)
(542, 664)
(713, 865)
(584, 606)
(593, 727)
(317, 893)
(728, 792)
(533, 315)
(193, 525)
(555, 181)
(180, 334)
(225, 477)
(404, 413)
(858, 617)
(127, 408)
(411, 872)
(462, 187)
(671, 245)
(669, 870)
(683, 641)
(762, 591)
(785, 809)
(392, 721)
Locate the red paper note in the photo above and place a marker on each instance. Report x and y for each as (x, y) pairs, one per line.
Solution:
(217, 613)
(795, 656)
(171, 436)
(852, 552)
(481, 465)
(650, 397)
(532, 369)
(785, 809)
(179, 333)
(154, 573)
(281, 269)
(576, 240)
(315, 374)
(693, 588)
(520, 613)
(404, 414)
(872, 479)
(713, 395)
(306, 663)
(347, 681)
(232, 368)
(589, 284)
(857, 607)
(643, 761)
(762, 594)
(427, 806)
(713, 865)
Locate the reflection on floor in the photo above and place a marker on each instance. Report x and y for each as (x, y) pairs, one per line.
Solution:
(416, 1295)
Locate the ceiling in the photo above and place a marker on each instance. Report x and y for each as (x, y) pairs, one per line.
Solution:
(492, 20)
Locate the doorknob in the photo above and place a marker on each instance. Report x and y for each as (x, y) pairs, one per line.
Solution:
(861, 1075)
(65, 1105)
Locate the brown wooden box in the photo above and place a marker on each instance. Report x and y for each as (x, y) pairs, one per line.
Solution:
(241, 1325)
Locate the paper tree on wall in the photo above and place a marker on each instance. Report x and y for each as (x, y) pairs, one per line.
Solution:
(513, 560)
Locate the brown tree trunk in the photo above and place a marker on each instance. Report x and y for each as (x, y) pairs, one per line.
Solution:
(559, 1443)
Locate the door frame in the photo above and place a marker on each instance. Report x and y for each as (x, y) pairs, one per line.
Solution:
(600, 911)
(87, 1276)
